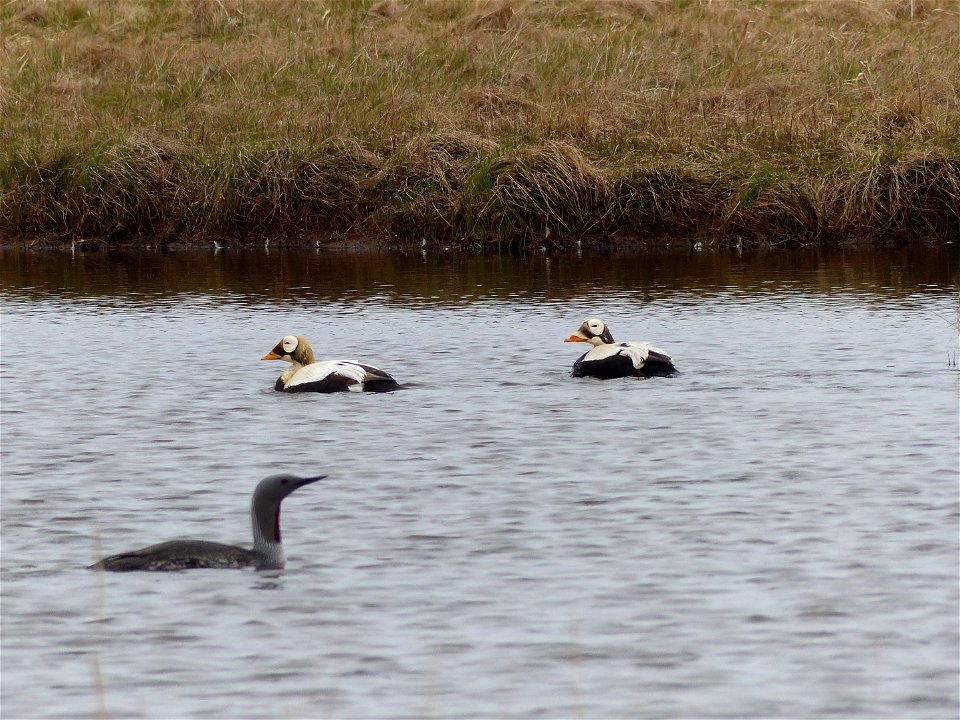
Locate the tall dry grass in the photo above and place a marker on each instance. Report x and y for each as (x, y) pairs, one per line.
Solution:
(475, 122)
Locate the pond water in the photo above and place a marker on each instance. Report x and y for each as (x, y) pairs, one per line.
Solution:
(773, 532)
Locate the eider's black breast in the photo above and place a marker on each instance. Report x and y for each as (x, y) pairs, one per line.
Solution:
(331, 383)
(614, 366)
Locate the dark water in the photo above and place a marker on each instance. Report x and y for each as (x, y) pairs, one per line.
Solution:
(772, 533)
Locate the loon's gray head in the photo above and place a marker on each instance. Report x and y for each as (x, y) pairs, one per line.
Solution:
(275, 488)
(593, 331)
(265, 507)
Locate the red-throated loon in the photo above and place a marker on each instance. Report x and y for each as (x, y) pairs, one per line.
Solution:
(308, 375)
(266, 554)
(610, 359)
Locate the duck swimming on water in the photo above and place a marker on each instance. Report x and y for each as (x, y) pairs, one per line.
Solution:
(307, 375)
(266, 554)
(610, 359)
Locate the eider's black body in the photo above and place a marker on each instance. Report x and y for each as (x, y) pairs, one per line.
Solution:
(305, 374)
(337, 376)
(609, 359)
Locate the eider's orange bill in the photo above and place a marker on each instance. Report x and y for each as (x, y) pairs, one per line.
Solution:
(572, 338)
(271, 356)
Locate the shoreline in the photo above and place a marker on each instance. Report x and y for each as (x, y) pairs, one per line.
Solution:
(912, 201)
(369, 244)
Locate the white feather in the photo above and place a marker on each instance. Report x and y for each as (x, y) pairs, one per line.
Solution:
(638, 352)
(318, 371)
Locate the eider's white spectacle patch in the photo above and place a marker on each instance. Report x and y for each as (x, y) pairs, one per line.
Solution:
(289, 344)
(596, 326)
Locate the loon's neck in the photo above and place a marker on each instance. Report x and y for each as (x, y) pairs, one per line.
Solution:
(267, 544)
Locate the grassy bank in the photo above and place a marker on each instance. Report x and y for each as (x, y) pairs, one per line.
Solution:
(481, 122)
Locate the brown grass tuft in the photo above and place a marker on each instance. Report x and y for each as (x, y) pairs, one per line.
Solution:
(489, 15)
(386, 9)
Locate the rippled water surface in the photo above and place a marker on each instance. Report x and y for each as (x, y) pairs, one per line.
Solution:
(774, 532)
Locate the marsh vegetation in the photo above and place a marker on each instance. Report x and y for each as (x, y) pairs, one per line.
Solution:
(477, 123)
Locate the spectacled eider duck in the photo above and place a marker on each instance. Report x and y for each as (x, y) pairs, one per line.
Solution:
(325, 376)
(267, 552)
(610, 359)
